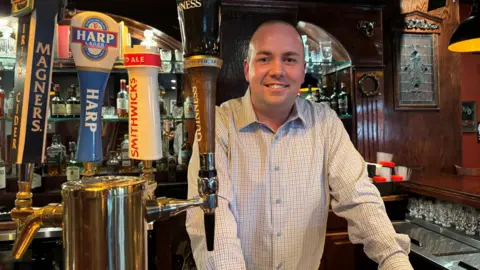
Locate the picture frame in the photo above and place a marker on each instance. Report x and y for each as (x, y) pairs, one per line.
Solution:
(469, 116)
(416, 62)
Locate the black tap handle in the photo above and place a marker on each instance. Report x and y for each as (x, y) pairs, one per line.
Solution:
(209, 221)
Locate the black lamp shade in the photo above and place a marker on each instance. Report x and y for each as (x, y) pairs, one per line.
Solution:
(466, 37)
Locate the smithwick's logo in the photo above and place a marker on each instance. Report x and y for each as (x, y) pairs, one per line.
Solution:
(94, 38)
(197, 113)
(91, 115)
(133, 117)
(188, 4)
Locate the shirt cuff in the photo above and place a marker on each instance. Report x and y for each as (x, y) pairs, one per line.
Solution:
(397, 261)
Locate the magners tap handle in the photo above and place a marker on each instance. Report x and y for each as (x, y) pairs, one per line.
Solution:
(94, 45)
(199, 28)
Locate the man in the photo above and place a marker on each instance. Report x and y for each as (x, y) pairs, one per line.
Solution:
(278, 160)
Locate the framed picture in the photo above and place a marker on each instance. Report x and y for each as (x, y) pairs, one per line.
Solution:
(416, 66)
(416, 72)
(478, 132)
(469, 116)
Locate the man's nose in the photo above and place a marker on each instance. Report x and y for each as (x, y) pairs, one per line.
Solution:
(278, 68)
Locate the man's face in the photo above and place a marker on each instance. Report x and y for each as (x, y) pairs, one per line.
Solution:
(276, 67)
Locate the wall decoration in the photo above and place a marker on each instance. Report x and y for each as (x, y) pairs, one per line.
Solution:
(469, 116)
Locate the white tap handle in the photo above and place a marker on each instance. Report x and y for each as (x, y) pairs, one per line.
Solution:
(145, 130)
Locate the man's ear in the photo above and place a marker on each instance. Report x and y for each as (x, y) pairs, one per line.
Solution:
(246, 69)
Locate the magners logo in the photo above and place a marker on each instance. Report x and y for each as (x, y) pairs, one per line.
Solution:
(94, 38)
(188, 4)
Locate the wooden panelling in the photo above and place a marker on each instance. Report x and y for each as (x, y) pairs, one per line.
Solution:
(341, 22)
(340, 253)
(431, 140)
(370, 119)
(240, 19)
(409, 6)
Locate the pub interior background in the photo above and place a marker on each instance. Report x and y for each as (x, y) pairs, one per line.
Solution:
(360, 53)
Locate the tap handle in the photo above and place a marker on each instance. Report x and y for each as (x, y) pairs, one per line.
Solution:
(94, 45)
(145, 130)
(32, 78)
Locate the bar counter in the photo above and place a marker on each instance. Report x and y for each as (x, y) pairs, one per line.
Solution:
(463, 190)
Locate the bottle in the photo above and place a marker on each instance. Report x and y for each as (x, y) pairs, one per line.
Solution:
(185, 152)
(10, 103)
(310, 93)
(113, 164)
(3, 180)
(55, 157)
(73, 167)
(171, 161)
(323, 98)
(58, 109)
(127, 164)
(2, 102)
(334, 98)
(73, 104)
(188, 108)
(122, 100)
(343, 99)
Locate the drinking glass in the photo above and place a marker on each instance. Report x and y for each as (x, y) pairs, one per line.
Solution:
(326, 49)
(166, 55)
(471, 222)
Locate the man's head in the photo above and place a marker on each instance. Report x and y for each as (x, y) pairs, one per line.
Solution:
(275, 65)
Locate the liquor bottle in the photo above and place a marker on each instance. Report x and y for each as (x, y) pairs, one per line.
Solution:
(171, 161)
(73, 167)
(10, 102)
(55, 157)
(185, 152)
(127, 164)
(310, 93)
(323, 98)
(2, 101)
(334, 98)
(58, 109)
(113, 164)
(73, 104)
(122, 100)
(343, 99)
(3, 182)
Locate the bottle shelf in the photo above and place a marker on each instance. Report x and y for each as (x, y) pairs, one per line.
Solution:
(116, 119)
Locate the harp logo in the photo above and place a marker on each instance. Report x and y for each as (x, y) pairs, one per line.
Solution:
(94, 38)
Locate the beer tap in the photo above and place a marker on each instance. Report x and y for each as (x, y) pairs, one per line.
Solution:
(104, 218)
(33, 69)
(199, 28)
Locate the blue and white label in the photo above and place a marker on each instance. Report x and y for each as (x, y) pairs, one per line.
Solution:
(94, 38)
(92, 84)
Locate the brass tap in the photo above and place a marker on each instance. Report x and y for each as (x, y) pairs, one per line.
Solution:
(48, 216)
(89, 169)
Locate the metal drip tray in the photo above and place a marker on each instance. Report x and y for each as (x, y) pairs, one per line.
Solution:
(434, 243)
(445, 247)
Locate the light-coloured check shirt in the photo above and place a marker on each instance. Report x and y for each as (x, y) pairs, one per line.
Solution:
(274, 193)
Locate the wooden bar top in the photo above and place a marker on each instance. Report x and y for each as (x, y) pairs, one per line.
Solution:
(454, 188)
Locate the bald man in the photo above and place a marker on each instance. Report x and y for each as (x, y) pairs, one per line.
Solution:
(279, 158)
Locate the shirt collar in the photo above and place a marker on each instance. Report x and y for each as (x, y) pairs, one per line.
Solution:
(246, 116)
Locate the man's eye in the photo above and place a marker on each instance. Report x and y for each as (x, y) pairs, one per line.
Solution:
(291, 60)
(262, 60)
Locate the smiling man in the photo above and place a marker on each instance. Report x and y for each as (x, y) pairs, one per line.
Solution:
(279, 159)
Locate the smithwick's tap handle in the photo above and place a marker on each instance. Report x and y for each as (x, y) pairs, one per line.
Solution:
(145, 130)
(94, 45)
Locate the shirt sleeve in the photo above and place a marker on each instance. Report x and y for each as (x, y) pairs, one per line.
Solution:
(227, 253)
(357, 200)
